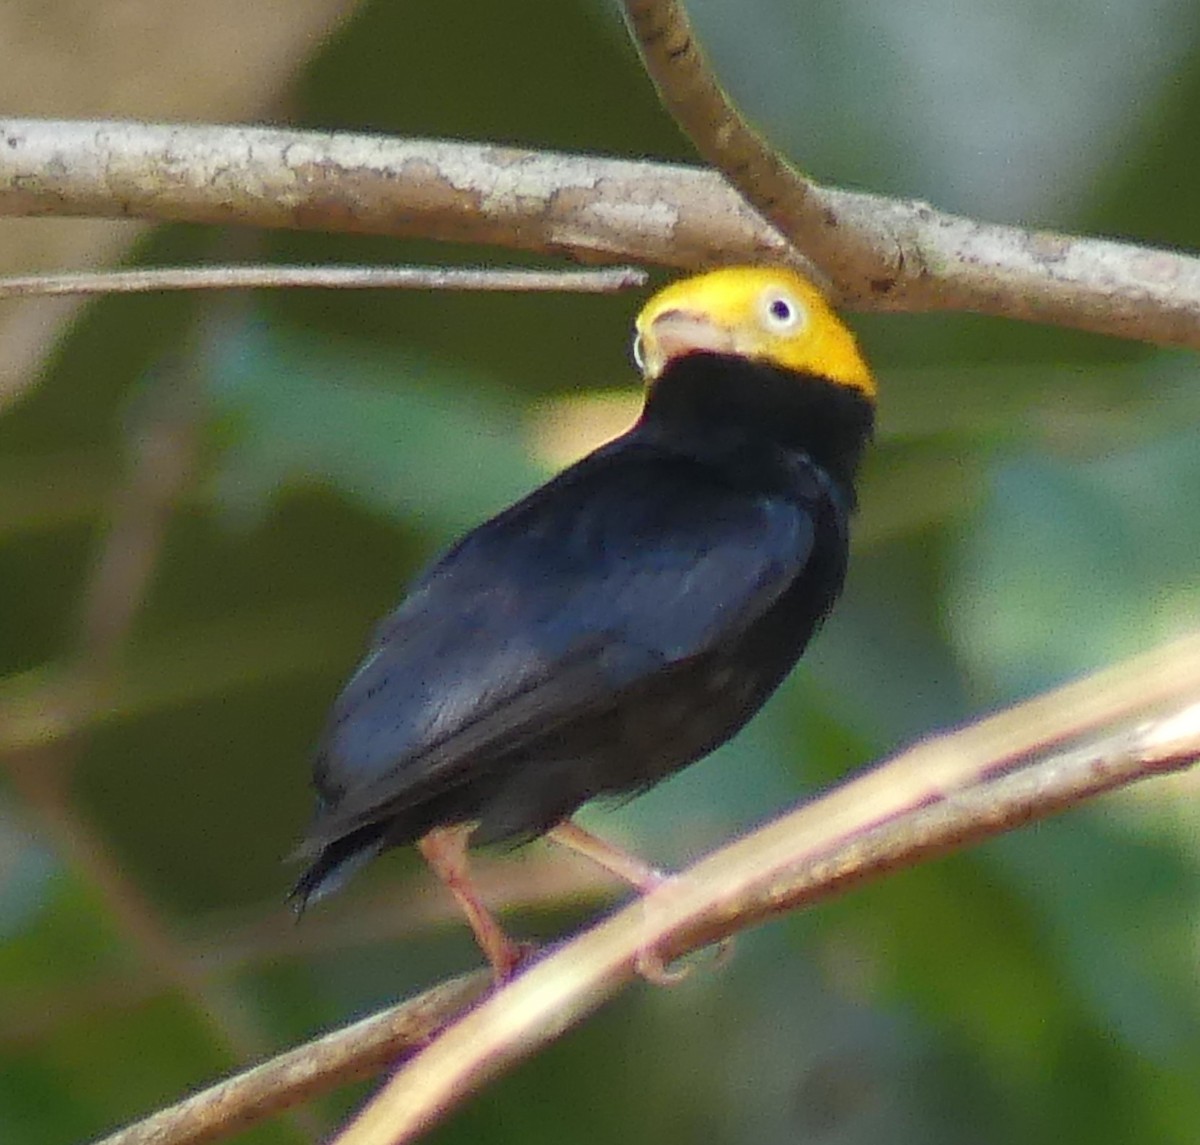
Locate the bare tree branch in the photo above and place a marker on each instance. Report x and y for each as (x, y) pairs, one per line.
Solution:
(905, 255)
(338, 277)
(1016, 766)
(459, 192)
(967, 785)
(346, 1055)
(590, 208)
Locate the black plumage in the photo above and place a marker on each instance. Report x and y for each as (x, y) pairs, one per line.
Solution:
(624, 619)
(620, 622)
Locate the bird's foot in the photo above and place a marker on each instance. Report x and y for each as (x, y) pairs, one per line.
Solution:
(655, 969)
(507, 962)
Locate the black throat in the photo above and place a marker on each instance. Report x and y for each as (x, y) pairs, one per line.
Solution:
(723, 406)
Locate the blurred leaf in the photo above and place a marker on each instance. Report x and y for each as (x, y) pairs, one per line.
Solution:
(1120, 911)
(1002, 111)
(883, 668)
(69, 941)
(99, 1071)
(26, 872)
(45, 492)
(1088, 405)
(965, 951)
(1069, 566)
(415, 440)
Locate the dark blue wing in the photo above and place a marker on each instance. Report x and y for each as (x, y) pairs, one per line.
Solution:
(625, 564)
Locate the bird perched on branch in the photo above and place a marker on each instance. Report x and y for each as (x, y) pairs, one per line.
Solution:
(621, 621)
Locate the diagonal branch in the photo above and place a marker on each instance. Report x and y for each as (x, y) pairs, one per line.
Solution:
(590, 208)
(905, 255)
(689, 90)
(350, 1054)
(960, 787)
(1018, 765)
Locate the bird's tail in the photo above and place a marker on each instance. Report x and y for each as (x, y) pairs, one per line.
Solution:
(335, 863)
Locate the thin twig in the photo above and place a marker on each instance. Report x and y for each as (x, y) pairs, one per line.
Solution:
(334, 277)
(964, 786)
(594, 209)
(350, 1054)
(689, 90)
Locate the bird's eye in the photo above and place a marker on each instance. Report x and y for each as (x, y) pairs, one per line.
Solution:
(639, 355)
(781, 312)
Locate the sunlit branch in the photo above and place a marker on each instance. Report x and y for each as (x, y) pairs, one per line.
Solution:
(1138, 719)
(968, 785)
(907, 256)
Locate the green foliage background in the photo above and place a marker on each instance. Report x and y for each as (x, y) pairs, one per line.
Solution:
(1029, 513)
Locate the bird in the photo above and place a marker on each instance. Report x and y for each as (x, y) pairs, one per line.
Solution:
(624, 619)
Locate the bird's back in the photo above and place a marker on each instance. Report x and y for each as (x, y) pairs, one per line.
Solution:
(617, 624)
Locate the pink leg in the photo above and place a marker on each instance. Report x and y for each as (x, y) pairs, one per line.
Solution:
(632, 870)
(445, 850)
(625, 866)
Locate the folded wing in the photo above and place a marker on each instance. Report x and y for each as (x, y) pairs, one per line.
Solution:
(627, 564)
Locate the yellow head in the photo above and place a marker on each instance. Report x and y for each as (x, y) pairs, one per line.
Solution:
(767, 314)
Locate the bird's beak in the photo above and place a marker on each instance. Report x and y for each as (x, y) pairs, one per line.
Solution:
(674, 333)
